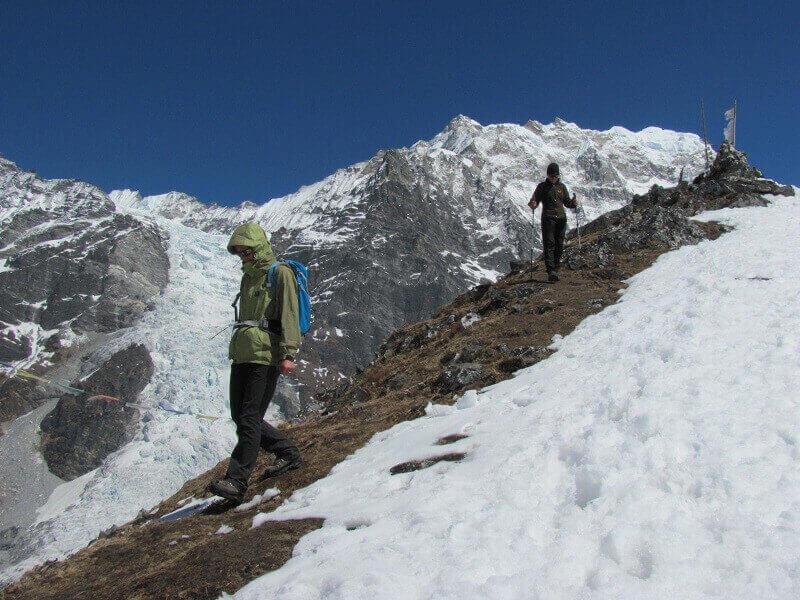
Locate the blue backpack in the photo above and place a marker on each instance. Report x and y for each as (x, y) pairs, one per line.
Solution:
(303, 299)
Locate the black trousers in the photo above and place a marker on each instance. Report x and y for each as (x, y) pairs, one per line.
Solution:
(553, 230)
(251, 389)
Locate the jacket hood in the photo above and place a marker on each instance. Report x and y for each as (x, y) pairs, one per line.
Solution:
(252, 235)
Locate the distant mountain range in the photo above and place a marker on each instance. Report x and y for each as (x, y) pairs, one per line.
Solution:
(387, 240)
(94, 286)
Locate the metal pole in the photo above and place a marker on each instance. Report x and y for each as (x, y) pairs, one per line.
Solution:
(705, 135)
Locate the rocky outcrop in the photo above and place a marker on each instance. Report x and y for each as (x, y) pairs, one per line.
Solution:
(71, 267)
(81, 431)
(731, 164)
(662, 215)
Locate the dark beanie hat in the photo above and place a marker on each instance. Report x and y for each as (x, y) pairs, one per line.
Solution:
(552, 170)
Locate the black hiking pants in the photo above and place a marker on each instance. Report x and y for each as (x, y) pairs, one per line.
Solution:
(251, 389)
(553, 230)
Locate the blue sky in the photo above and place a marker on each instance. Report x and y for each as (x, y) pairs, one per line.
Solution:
(236, 101)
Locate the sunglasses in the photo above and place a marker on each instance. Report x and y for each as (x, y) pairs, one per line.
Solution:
(245, 252)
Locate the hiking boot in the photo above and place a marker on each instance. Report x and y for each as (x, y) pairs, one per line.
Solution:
(552, 277)
(228, 489)
(281, 465)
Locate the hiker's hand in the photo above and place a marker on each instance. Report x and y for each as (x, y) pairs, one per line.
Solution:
(533, 204)
(287, 367)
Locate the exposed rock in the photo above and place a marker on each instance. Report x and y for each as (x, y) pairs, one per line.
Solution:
(7, 537)
(458, 376)
(397, 381)
(79, 433)
(70, 267)
(470, 354)
(547, 307)
(287, 398)
(107, 533)
(416, 465)
(532, 352)
(510, 365)
(732, 163)
(451, 439)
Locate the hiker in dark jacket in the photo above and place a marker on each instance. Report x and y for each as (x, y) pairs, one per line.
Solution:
(553, 196)
(263, 347)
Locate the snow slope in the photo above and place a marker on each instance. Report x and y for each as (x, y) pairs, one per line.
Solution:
(656, 454)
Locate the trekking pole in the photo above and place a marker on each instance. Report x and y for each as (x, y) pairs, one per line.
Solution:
(219, 332)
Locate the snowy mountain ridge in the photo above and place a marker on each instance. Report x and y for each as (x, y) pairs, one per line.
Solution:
(636, 455)
(473, 180)
(377, 261)
(516, 157)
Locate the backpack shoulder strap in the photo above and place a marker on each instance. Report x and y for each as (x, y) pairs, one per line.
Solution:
(272, 278)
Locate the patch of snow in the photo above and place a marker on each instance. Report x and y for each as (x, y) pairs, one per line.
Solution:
(64, 496)
(476, 272)
(438, 410)
(223, 529)
(470, 319)
(258, 499)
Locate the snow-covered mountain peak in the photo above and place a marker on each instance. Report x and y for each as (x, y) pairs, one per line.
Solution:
(22, 190)
(6, 164)
(170, 205)
(507, 157)
(458, 134)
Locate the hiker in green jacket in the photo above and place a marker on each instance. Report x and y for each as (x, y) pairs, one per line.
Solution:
(265, 340)
(553, 196)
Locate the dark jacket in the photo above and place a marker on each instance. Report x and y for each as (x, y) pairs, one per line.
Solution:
(553, 197)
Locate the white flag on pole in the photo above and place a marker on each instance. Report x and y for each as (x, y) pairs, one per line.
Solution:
(730, 125)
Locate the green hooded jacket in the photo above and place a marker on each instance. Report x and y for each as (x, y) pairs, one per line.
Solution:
(252, 344)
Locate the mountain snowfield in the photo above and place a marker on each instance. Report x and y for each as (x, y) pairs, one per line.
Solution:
(486, 173)
(656, 454)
